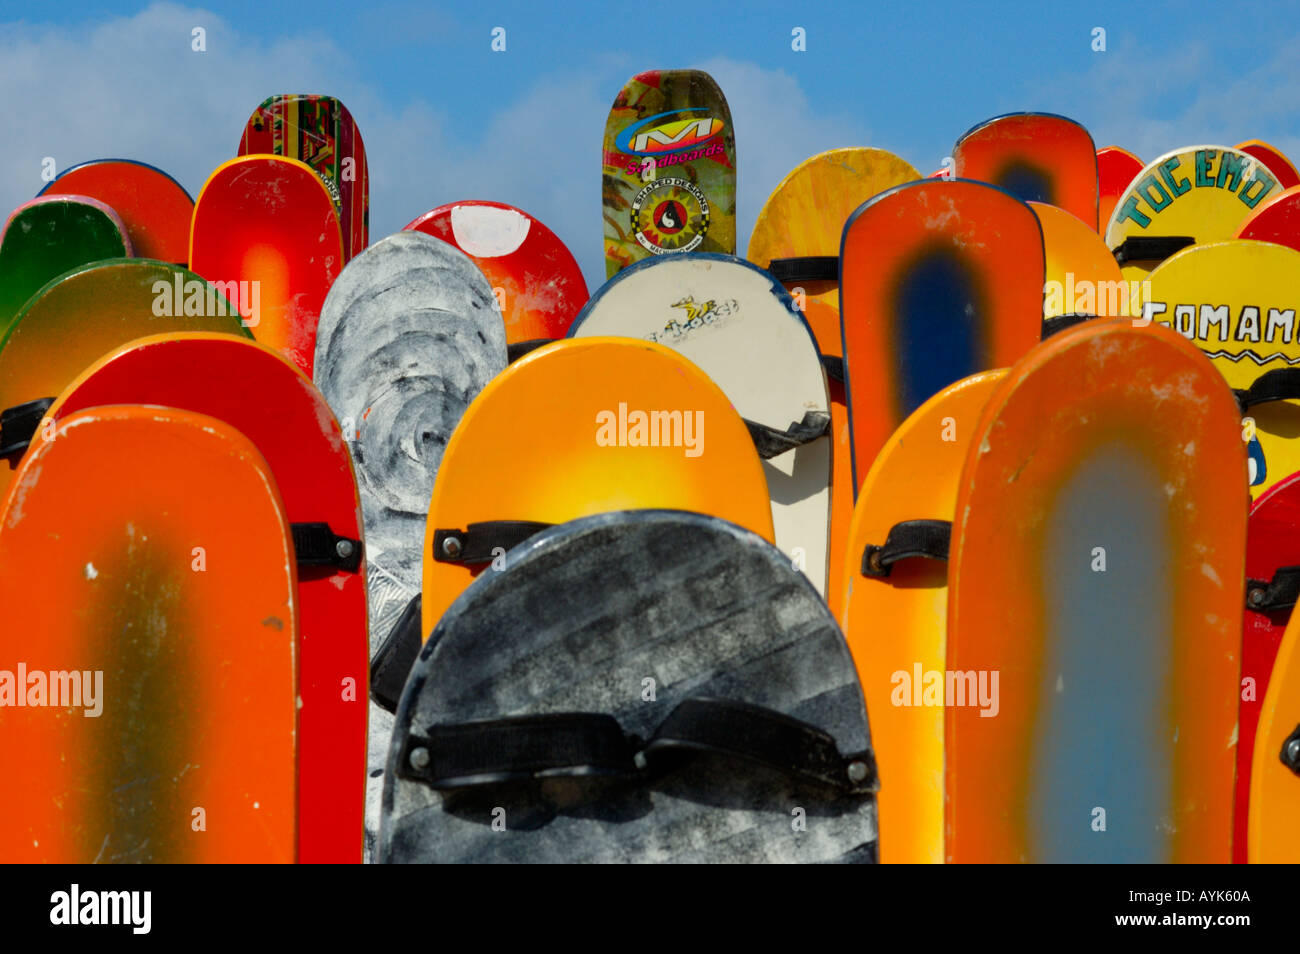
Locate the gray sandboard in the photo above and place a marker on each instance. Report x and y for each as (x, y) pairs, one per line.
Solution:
(408, 337)
(741, 327)
(577, 620)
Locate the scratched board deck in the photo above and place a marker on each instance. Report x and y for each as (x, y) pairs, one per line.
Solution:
(82, 315)
(154, 207)
(582, 619)
(1096, 571)
(538, 284)
(1237, 300)
(895, 616)
(1037, 157)
(669, 174)
(1272, 544)
(585, 426)
(51, 235)
(140, 523)
(926, 300)
(1195, 195)
(268, 224)
(319, 131)
(235, 381)
(803, 219)
(742, 329)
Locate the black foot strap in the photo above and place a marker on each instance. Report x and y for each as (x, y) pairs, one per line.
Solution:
(315, 544)
(911, 538)
(476, 544)
(834, 366)
(1280, 384)
(769, 442)
(1058, 323)
(392, 664)
(520, 348)
(1150, 248)
(1280, 592)
(805, 268)
(18, 425)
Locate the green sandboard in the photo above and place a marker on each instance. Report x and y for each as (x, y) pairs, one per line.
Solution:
(48, 236)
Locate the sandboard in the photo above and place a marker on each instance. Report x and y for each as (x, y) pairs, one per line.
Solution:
(1272, 554)
(269, 223)
(1282, 167)
(895, 609)
(253, 389)
(669, 177)
(1037, 157)
(538, 285)
(927, 299)
(800, 225)
(693, 634)
(1190, 196)
(1116, 168)
(408, 336)
(141, 524)
(1082, 276)
(319, 131)
(741, 328)
(1237, 301)
(1275, 766)
(1275, 220)
(82, 315)
(48, 236)
(570, 430)
(1096, 568)
(155, 208)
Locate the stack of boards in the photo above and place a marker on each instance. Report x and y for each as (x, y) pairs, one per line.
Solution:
(418, 550)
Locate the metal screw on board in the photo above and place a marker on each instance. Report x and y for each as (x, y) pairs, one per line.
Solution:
(451, 547)
(1291, 754)
(857, 771)
(1256, 596)
(420, 759)
(344, 549)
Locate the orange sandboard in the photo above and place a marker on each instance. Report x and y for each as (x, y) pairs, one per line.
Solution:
(154, 207)
(824, 320)
(88, 312)
(895, 615)
(1081, 274)
(150, 546)
(270, 220)
(1037, 157)
(939, 279)
(566, 431)
(1097, 573)
(800, 224)
(1275, 767)
(237, 381)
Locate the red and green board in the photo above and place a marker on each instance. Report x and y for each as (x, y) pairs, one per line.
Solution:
(669, 183)
(319, 131)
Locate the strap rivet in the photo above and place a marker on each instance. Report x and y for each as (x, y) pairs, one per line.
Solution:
(451, 546)
(1256, 596)
(1291, 754)
(420, 759)
(344, 549)
(639, 761)
(857, 771)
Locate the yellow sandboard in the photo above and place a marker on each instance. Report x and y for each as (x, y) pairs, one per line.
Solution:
(1081, 276)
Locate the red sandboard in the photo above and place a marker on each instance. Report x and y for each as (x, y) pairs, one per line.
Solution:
(270, 220)
(238, 382)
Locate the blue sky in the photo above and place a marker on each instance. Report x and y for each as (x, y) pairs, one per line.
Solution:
(445, 118)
